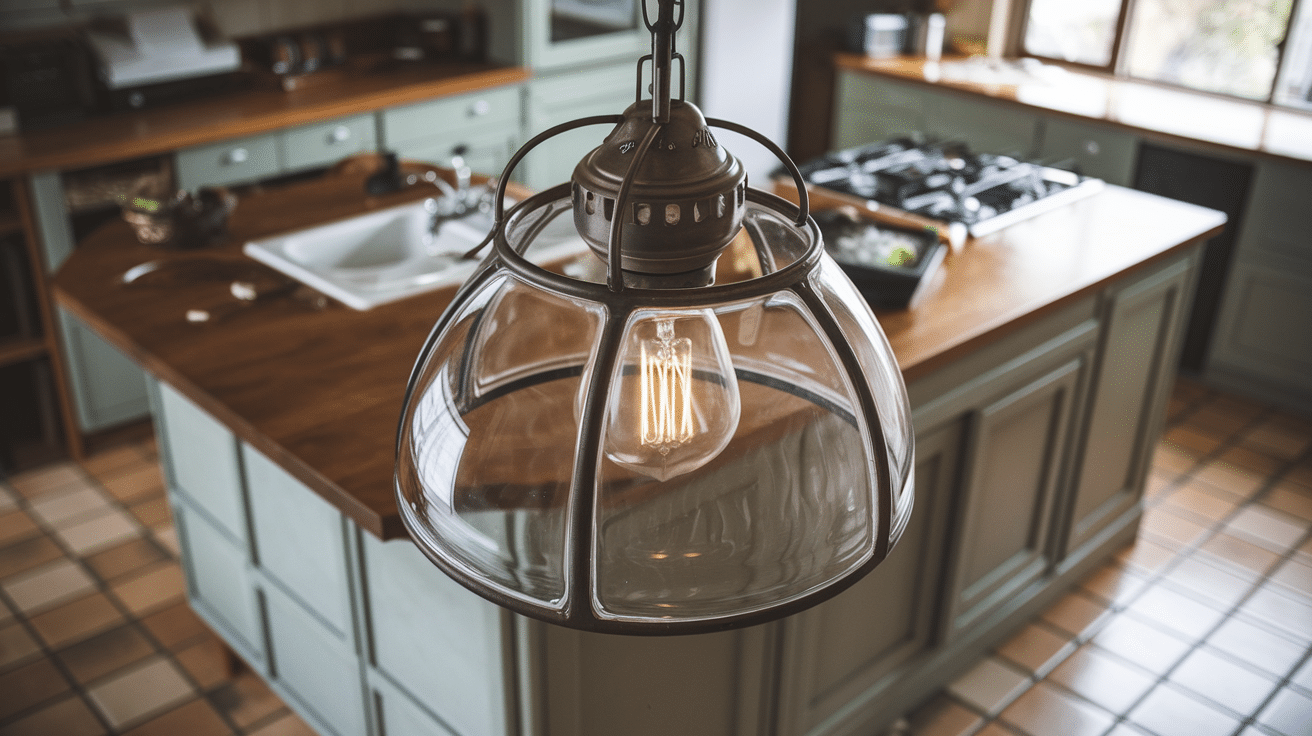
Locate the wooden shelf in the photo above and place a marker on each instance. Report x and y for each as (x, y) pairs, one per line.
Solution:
(18, 349)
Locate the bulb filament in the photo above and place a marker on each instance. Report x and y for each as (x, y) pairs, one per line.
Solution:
(666, 414)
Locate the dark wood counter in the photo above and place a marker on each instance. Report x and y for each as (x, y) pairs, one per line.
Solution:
(319, 390)
(131, 134)
(1151, 110)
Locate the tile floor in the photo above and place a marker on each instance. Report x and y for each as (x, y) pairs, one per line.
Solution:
(1202, 627)
(95, 636)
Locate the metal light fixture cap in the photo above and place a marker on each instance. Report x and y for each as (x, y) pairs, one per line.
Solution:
(686, 202)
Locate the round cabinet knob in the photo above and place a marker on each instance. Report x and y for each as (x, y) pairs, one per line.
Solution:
(237, 156)
(340, 134)
(1092, 148)
(480, 108)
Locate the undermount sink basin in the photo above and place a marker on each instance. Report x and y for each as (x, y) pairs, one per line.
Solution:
(379, 257)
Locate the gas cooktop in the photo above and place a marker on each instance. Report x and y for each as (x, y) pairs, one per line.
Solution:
(948, 183)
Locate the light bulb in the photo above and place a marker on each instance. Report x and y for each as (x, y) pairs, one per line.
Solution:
(677, 405)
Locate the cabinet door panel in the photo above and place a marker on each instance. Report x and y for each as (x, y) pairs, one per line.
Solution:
(219, 582)
(202, 462)
(1101, 152)
(399, 715)
(555, 100)
(321, 672)
(987, 127)
(324, 143)
(1263, 332)
(299, 540)
(1019, 443)
(108, 387)
(850, 648)
(436, 640)
(1140, 343)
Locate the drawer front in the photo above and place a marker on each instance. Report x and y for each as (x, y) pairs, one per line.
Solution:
(219, 582)
(493, 107)
(230, 162)
(487, 152)
(307, 557)
(202, 462)
(327, 143)
(1107, 154)
(320, 673)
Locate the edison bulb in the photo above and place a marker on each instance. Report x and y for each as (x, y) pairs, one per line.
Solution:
(677, 406)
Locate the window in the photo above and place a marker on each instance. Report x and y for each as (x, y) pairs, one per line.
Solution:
(1230, 47)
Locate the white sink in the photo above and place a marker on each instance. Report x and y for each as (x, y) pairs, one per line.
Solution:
(378, 257)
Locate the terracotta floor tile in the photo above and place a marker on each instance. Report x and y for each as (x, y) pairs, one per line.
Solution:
(1291, 498)
(990, 685)
(1240, 553)
(176, 625)
(151, 687)
(1103, 679)
(1169, 712)
(1114, 583)
(27, 553)
(1048, 711)
(1274, 439)
(1214, 677)
(1146, 556)
(1215, 583)
(1230, 479)
(1148, 646)
(942, 716)
(208, 661)
(128, 557)
(28, 686)
(113, 461)
(1190, 442)
(1264, 647)
(8, 498)
(152, 589)
(48, 585)
(1200, 502)
(1170, 458)
(105, 653)
(245, 699)
(1268, 528)
(1036, 649)
(152, 512)
(56, 476)
(1289, 712)
(1076, 613)
(76, 620)
(130, 486)
(68, 717)
(1222, 420)
(1170, 530)
(167, 537)
(15, 525)
(1287, 611)
(1252, 460)
(16, 645)
(196, 718)
(289, 724)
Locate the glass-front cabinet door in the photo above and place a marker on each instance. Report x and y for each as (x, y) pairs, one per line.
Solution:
(569, 32)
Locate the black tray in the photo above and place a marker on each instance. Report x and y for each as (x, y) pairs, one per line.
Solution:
(890, 266)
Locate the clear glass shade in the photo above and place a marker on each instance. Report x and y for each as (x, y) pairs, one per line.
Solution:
(656, 462)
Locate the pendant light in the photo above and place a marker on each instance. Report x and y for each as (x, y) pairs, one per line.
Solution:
(630, 446)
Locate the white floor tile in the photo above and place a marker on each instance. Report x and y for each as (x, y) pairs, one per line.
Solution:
(58, 509)
(48, 584)
(148, 688)
(98, 532)
(990, 686)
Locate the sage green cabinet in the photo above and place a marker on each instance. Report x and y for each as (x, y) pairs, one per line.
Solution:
(1093, 150)
(486, 124)
(870, 109)
(1142, 326)
(108, 388)
(220, 583)
(553, 100)
(316, 668)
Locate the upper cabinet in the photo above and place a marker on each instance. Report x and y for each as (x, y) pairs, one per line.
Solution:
(564, 33)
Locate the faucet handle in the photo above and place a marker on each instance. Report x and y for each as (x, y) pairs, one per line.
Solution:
(461, 168)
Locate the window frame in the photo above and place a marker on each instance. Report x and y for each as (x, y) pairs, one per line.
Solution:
(1118, 65)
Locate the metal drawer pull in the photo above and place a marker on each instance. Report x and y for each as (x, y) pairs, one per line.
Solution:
(236, 156)
(480, 108)
(340, 134)
(1092, 148)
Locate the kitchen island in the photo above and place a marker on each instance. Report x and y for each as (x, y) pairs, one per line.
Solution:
(1038, 365)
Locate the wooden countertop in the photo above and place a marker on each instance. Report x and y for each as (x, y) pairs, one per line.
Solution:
(1150, 110)
(319, 390)
(130, 134)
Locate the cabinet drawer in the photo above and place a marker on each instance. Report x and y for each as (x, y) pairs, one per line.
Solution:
(320, 673)
(308, 557)
(487, 152)
(202, 462)
(1100, 152)
(491, 107)
(219, 582)
(326, 143)
(230, 162)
